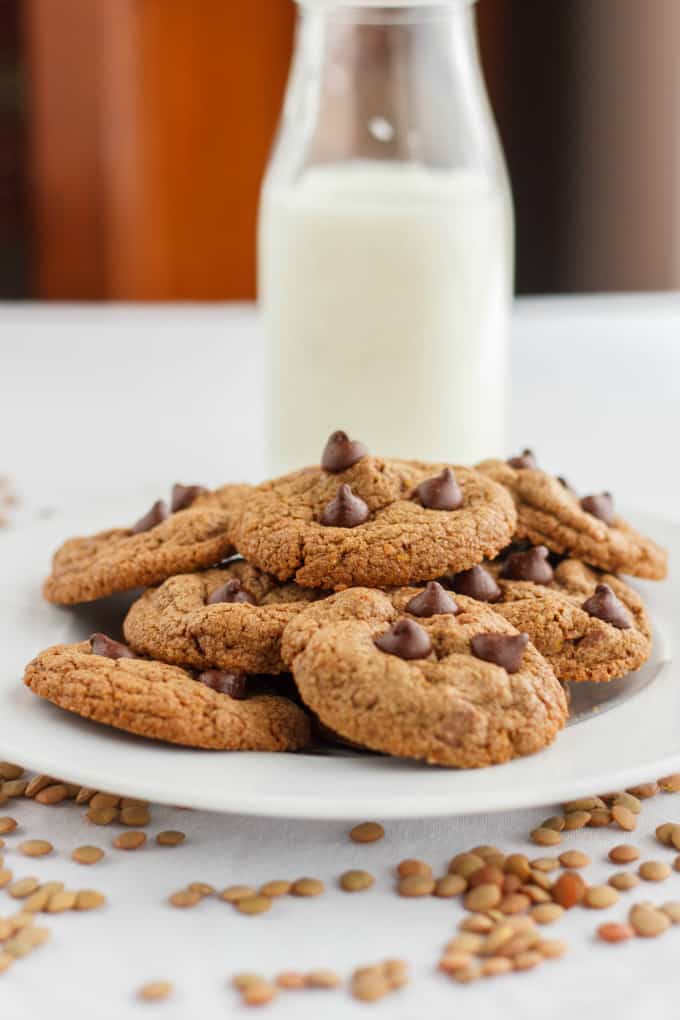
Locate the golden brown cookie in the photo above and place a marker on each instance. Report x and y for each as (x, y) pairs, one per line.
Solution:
(152, 699)
(581, 636)
(550, 513)
(166, 541)
(231, 617)
(376, 522)
(429, 687)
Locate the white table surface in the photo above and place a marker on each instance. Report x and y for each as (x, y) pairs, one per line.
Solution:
(109, 406)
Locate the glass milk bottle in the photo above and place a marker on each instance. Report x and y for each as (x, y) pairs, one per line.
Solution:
(386, 239)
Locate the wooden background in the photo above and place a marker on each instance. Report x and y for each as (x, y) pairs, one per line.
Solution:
(131, 169)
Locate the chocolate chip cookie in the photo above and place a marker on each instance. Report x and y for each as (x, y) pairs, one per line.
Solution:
(421, 673)
(231, 617)
(101, 680)
(167, 540)
(587, 624)
(362, 520)
(550, 513)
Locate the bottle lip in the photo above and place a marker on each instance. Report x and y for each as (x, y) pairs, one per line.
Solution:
(328, 4)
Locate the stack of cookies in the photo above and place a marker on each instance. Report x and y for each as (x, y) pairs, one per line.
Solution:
(420, 610)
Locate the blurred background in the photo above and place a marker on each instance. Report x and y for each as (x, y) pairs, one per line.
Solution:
(134, 134)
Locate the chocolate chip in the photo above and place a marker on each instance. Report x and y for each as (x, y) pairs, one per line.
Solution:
(406, 639)
(606, 606)
(233, 684)
(345, 511)
(341, 453)
(433, 601)
(525, 460)
(232, 591)
(505, 650)
(476, 583)
(110, 649)
(600, 505)
(440, 493)
(184, 495)
(532, 565)
(156, 515)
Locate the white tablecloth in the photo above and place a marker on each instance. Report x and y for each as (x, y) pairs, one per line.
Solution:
(113, 404)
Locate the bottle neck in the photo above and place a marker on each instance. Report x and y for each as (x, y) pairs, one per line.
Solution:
(389, 83)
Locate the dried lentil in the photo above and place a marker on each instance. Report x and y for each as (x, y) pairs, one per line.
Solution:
(614, 932)
(184, 898)
(170, 837)
(367, 832)
(599, 897)
(130, 840)
(35, 848)
(274, 888)
(624, 854)
(87, 854)
(89, 899)
(234, 893)
(416, 885)
(450, 885)
(356, 881)
(545, 837)
(624, 817)
(654, 871)
(307, 887)
(155, 991)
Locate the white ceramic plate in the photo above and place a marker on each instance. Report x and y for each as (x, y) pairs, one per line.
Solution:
(623, 732)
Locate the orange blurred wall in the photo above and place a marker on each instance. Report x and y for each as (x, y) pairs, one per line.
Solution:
(150, 123)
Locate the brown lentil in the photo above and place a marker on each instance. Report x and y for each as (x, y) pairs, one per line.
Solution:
(259, 994)
(254, 905)
(307, 887)
(154, 991)
(356, 881)
(60, 902)
(545, 837)
(599, 897)
(478, 924)
(396, 972)
(483, 897)
(369, 987)
(454, 960)
(518, 864)
(468, 942)
(536, 893)
(486, 850)
(654, 871)
(627, 800)
(416, 885)
(52, 794)
(15, 788)
(511, 883)
(675, 837)
(624, 854)
(234, 893)
(89, 899)
(644, 790)
(672, 909)
(202, 888)
(7, 825)
(102, 815)
(624, 817)
(23, 887)
(449, 885)
(546, 864)
(136, 815)
(245, 980)
(412, 866)
(10, 771)
(35, 848)
(623, 880)
(290, 979)
(514, 903)
(584, 804)
(550, 949)
(546, 913)
(670, 784)
(85, 795)
(649, 922)
(615, 932)
(87, 854)
(495, 966)
(556, 822)
(485, 875)
(569, 889)
(322, 978)
(170, 837)
(52, 887)
(495, 939)
(664, 832)
(527, 961)
(277, 887)
(465, 865)
(184, 898)
(367, 832)
(130, 840)
(465, 975)
(576, 820)
(600, 818)
(105, 800)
